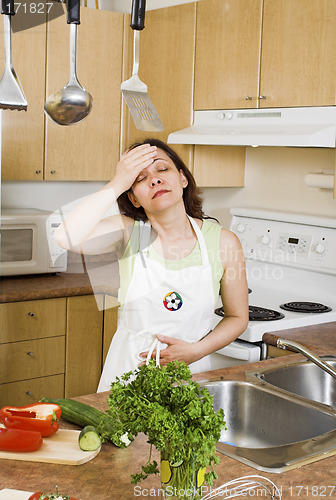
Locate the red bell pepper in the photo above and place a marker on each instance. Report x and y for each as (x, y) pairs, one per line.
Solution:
(41, 417)
(18, 440)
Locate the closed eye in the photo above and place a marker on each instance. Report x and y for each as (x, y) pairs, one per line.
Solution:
(139, 179)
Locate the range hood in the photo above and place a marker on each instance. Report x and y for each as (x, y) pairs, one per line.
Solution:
(296, 127)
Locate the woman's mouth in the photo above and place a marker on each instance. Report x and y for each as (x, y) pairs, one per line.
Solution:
(159, 193)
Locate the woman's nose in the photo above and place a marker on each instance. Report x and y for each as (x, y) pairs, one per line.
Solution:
(155, 181)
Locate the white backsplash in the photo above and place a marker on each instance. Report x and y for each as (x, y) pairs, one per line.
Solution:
(274, 180)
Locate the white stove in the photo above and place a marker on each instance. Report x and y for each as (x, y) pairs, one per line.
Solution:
(290, 258)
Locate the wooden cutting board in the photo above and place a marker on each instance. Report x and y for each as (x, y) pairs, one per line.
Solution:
(14, 495)
(61, 448)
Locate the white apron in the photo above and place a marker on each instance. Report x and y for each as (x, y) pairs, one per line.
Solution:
(175, 303)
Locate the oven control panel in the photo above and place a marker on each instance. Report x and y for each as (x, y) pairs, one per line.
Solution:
(285, 243)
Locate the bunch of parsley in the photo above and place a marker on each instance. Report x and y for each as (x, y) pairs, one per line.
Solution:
(173, 411)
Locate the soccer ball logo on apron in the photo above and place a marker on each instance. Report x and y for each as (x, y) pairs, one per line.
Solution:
(172, 301)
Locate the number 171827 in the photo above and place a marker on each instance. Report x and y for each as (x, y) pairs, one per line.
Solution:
(33, 8)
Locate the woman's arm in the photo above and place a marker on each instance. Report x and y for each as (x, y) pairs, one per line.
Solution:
(83, 228)
(234, 293)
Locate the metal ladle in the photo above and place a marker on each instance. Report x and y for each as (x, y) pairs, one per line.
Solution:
(72, 103)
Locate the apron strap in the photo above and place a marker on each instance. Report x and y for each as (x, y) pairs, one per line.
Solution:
(201, 241)
(156, 343)
(145, 230)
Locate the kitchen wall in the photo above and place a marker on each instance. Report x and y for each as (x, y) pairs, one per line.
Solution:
(274, 180)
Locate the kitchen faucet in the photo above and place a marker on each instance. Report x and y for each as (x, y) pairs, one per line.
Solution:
(283, 343)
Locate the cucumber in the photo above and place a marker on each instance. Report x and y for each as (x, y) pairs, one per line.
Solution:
(82, 415)
(89, 439)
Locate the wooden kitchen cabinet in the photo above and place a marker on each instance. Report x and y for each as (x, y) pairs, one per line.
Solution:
(228, 40)
(278, 55)
(90, 149)
(35, 148)
(23, 131)
(167, 68)
(32, 350)
(216, 166)
(111, 307)
(53, 347)
(298, 66)
(83, 344)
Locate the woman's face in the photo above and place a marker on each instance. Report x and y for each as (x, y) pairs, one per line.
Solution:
(158, 186)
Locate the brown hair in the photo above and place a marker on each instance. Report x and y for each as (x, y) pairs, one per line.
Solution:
(191, 193)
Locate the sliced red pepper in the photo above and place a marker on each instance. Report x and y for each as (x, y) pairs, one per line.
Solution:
(38, 495)
(41, 417)
(19, 440)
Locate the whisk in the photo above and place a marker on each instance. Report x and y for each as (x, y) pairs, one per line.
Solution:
(243, 485)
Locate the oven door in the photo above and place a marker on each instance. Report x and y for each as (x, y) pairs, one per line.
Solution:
(236, 353)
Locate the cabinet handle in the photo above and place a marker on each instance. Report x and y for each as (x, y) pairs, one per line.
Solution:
(263, 97)
(31, 314)
(249, 98)
(30, 353)
(37, 171)
(29, 393)
(53, 172)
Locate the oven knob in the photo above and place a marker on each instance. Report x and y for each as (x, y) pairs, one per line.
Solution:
(319, 248)
(240, 228)
(265, 240)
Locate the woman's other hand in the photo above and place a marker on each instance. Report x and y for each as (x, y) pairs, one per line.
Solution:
(131, 163)
(177, 350)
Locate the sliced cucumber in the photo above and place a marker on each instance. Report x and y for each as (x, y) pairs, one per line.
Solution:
(89, 439)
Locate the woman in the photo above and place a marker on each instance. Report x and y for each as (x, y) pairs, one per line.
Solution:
(173, 263)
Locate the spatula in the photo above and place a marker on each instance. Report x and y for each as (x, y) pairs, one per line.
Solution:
(134, 91)
(11, 92)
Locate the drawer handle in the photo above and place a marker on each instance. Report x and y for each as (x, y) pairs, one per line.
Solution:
(30, 353)
(31, 314)
(29, 393)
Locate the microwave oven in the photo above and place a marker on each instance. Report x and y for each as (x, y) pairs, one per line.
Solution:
(27, 244)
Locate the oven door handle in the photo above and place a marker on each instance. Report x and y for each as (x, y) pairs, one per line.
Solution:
(237, 351)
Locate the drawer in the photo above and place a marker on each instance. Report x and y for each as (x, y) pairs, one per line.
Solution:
(30, 391)
(32, 359)
(33, 319)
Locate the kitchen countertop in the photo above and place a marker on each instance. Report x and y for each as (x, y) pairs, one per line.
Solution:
(314, 336)
(98, 278)
(107, 476)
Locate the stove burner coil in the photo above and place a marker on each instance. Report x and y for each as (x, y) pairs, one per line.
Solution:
(305, 307)
(257, 314)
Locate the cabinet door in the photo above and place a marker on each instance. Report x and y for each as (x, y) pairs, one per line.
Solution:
(298, 65)
(216, 166)
(110, 322)
(90, 149)
(27, 392)
(23, 131)
(166, 67)
(227, 54)
(31, 359)
(83, 344)
(32, 319)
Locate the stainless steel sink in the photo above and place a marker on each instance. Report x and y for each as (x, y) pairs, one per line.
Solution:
(269, 430)
(304, 379)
